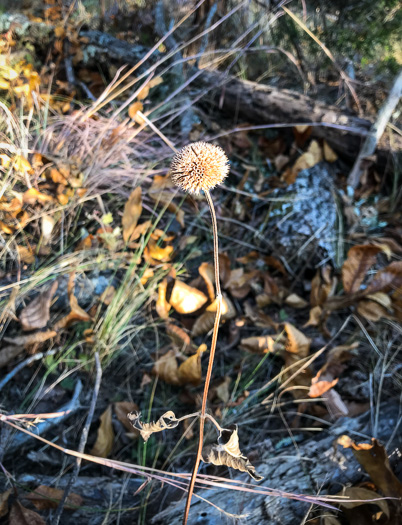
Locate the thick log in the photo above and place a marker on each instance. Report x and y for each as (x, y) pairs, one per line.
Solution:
(253, 102)
(317, 466)
(261, 104)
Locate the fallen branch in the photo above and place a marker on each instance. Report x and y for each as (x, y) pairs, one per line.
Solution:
(376, 131)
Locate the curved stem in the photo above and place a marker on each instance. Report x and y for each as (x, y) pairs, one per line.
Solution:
(211, 358)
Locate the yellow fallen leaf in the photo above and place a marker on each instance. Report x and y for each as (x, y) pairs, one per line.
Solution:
(132, 212)
(22, 164)
(329, 153)
(190, 371)
(32, 196)
(105, 438)
(134, 108)
(297, 343)
(185, 299)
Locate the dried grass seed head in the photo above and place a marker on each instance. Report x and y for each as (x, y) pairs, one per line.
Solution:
(199, 166)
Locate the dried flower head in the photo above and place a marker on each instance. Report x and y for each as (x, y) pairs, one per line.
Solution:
(199, 166)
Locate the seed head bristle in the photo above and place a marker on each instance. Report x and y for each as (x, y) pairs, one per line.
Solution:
(199, 166)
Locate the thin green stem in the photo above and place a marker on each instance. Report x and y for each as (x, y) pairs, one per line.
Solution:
(211, 358)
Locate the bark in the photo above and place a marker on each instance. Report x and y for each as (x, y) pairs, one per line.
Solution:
(318, 466)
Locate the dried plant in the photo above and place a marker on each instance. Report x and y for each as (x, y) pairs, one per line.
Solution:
(202, 166)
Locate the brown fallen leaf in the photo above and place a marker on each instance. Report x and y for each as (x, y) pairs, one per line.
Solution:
(354, 270)
(387, 279)
(134, 108)
(30, 339)
(121, 409)
(19, 515)
(139, 230)
(315, 317)
(8, 353)
(37, 313)
(239, 283)
(105, 438)
(159, 192)
(190, 371)
(222, 390)
(372, 310)
(45, 498)
(363, 497)
(166, 368)
(4, 502)
(26, 254)
(107, 295)
(186, 299)
(261, 344)
(307, 160)
(178, 336)
(295, 301)
(131, 214)
(205, 322)
(374, 459)
(297, 343)
(322, 286)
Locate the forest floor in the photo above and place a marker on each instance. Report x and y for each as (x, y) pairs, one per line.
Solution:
(107, 289)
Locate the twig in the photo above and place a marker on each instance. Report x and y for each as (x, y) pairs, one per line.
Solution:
(23, 364)
(83, 441)
(376, 131)
(68, 409)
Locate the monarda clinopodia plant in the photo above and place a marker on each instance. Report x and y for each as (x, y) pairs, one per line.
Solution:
(200, 167)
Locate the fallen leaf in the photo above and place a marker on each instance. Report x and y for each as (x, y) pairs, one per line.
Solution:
(76, 314)
(167, 421)
(145, 90)
(206, 271)
(307, 160)
(162, 306)
(19, 515)
(5, 228)
(222, 390)
(364, 497)
(121, 409)
(154, 253)
(108, 294)
(297, 343)
(190, 371)
(205, 322)
(26, 254)
(262, 344)
(37, 313)
(186, 299)
(387, 279)
(360, 259)
(322, 286)
(10, 308)
(160, 194)
(166, 368)
(329, 153)
(30, 339)
(4, 502)
(105, 437)
(371, 310)
(178, 336)
(134, 108)
(45, 498)
(131, 214)
(374, 459)
(32, 196)
(139, 230)
(48, 223)
(8, 353)
(295, 301)
(314, 317)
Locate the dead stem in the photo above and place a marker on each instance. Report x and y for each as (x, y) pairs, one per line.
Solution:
(211, 358)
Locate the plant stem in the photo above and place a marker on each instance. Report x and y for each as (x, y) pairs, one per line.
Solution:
(211, 358)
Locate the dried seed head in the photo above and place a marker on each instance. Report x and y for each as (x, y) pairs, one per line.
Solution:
(199, 166)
